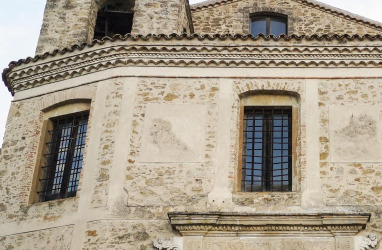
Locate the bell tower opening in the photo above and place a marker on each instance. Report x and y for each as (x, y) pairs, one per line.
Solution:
(114, 18)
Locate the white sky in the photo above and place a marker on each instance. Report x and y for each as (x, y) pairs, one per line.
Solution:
(20, 22)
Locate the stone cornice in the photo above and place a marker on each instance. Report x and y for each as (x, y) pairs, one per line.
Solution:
(196, 51)
(311, 3)
(231, 224)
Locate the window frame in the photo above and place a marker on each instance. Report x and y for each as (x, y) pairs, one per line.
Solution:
(51, 189)
(272, 99)
(57, 111)
(267, 182)
(268, 16)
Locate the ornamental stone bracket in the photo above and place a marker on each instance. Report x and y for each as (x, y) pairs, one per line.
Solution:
(268, 231)
(172, 244)
(368, 242)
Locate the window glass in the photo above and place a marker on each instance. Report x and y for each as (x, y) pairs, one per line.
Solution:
(259, 26)
(268, 25)
(277, 27)
(267, 141)
(63, 160)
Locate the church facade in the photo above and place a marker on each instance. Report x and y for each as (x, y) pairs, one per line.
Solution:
(228, 124)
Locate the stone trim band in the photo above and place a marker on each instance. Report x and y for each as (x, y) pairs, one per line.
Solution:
(231, 224)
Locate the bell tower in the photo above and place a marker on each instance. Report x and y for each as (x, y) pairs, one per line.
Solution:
(70, 22)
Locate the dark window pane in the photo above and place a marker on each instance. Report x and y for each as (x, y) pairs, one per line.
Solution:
(267, 165)
(113, 21)
(259, 26)
(269, 25)
(278, 27)
(64, 157)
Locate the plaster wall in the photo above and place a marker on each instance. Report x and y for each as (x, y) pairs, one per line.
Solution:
(125, 193)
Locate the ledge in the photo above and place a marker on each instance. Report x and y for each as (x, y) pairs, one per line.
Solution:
(215, 53)
(298, 225)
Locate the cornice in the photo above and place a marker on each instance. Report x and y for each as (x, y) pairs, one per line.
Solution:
(229, 224)
(194, 51)
(311, 3)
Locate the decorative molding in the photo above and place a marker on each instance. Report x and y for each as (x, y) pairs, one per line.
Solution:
(36, 72)
(369, 242)
(230, 224)
(162, 244)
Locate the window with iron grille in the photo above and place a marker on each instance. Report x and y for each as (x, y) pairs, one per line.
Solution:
(64, 156)
(267, 149)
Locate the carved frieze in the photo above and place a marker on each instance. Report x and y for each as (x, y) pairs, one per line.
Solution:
(193, 51)
(235, 231)
(226, 224)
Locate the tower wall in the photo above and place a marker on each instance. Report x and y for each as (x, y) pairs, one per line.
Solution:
(67, 23)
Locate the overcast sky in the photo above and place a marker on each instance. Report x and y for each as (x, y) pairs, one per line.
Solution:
(20, 22)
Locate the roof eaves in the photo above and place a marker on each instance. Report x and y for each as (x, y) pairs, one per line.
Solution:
(200, 37)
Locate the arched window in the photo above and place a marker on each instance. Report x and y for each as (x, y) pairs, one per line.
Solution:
(269, 138)
(269, 24)
(61, 151)
(116, 18)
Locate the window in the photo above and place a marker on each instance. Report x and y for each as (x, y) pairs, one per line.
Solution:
(269, 148)
(114, 19)
(267, 142)
(268, 24)
(62, 160)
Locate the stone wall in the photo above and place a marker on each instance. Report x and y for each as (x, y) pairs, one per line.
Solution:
(67, 23)
(303, 18)
(53, 238)
(164, 138)
(160, 17)
(159, 145)
(350, 145)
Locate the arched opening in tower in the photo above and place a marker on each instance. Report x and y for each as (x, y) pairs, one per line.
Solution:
(115, 17)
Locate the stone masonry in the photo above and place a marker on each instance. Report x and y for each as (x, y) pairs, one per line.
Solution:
(304, 18)
(162, 157)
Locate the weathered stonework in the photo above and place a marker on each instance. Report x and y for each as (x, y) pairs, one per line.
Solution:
(54, 238)
(162, 156)
(304, 17)
(68, 23)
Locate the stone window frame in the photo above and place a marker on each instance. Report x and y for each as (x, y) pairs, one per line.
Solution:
(65, 108)
(250, 12)
(272, 98)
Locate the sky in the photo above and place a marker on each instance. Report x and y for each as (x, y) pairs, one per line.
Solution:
(20, 23)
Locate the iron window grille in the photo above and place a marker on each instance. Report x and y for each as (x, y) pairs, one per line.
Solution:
(64, 156)
(267, 149)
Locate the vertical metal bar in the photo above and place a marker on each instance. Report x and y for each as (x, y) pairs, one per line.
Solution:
(50, 169)
(282, 149)
(253, 148)
(69, 158)
(106, 21)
